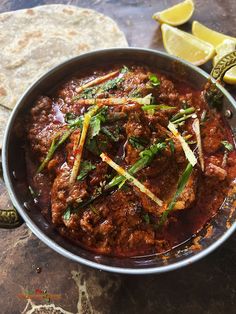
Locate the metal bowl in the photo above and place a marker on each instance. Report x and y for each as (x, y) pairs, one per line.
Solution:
(14, 169)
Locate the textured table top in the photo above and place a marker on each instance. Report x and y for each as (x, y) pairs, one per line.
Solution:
(29, 269)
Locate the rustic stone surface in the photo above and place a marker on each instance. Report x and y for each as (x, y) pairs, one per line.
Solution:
(208, 286)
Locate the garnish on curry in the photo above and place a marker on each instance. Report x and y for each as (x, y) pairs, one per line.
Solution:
(128, 161)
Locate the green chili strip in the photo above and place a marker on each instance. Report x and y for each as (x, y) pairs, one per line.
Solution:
(182, 119)
(146, 157)
(180, 187)
(157, 107)
(56, 142)
(182, 113)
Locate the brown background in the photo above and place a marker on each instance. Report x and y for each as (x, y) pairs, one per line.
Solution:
(208, 287)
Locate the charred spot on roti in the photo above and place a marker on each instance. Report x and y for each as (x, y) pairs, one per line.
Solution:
(72, 33)
(30, 12)
(82, 47)
(13, 64)
(22, 43)
(68, 11)
(3, 92)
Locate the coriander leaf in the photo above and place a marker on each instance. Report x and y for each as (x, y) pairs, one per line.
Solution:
(70, 117)
(92, 146)
(228, 146)
(138, 142)
(94, 128)
(214, 96)
(88, 93)
(74, 120)
(112, 84)
(146, 218)
(172, 146)
(67, 214)
(154, 80)
(95, 123)
(85, 168)
(124, 70)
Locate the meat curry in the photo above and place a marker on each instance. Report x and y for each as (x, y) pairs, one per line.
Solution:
(128, 161)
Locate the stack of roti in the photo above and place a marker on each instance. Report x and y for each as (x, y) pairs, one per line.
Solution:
(34, 40)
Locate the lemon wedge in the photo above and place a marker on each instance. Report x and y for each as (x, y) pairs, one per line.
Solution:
(230, 76)
(209, 35)
(177, 14)
(186, 46)
(227, 46)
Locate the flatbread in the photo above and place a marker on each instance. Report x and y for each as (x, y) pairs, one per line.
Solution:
(4, 116)
(34, 40)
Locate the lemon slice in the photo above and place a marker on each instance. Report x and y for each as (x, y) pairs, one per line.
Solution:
(227, 46)
(177, 14)
(230, 76)
(186, 46)
(209, 35)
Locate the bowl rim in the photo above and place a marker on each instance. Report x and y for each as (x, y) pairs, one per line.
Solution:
(51, 243)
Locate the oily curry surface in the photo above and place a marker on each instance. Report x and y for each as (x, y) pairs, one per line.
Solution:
(128, 161)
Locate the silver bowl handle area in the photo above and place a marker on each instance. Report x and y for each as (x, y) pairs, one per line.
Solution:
(223, 65)
(9, 218)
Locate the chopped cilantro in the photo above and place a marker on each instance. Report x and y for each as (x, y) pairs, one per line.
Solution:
(146, 218)
(85, 168)
(214, 96)
(74, 120)
(172, 146)
(95, 123)
(67, 214)
(124, 70)
(138, 142)
(154, 80)
(228, 146)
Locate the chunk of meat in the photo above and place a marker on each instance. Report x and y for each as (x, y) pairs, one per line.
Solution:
(99, 174)
(215, 171)
(42, 128)
(41, 109)
(137, 128)
(141, 238)
(135, 81)
(64, 195)
(212, 134)
(167, 92)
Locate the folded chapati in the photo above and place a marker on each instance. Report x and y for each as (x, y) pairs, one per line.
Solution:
(35, 40)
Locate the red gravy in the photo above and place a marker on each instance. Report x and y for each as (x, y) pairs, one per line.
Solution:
(123, 221)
